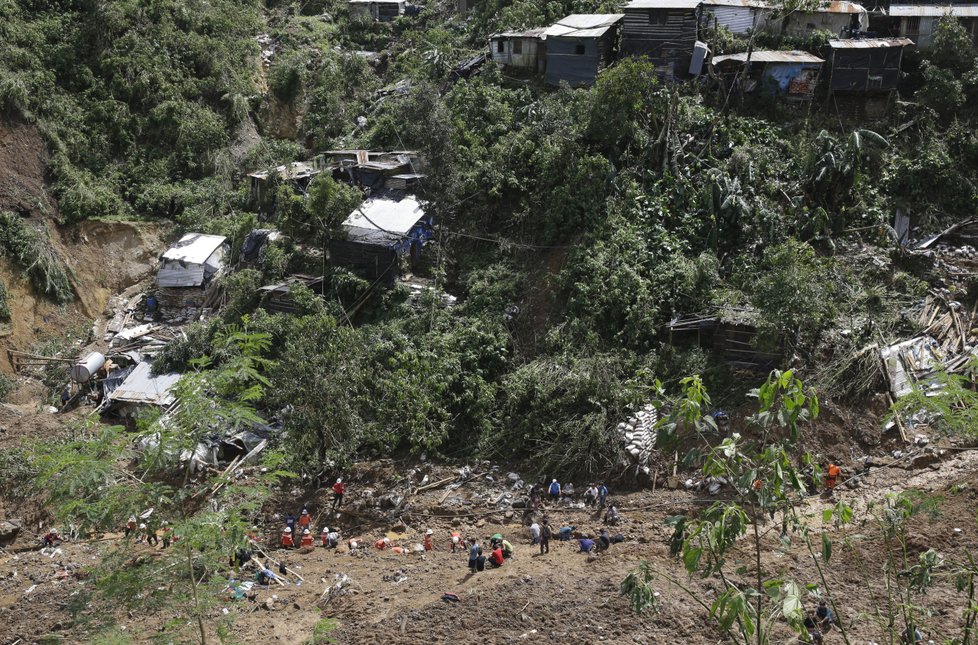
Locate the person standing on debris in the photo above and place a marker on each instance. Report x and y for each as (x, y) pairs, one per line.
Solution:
(306, 539)
(474, 552)
(143, 535)
(287, 541)
(534, 533)
(167, 534)
(545, 534)
(304, 519)
(428, 540)
(338, 489)
(325, 536)
(130, 526)
(456, 540)
(554, 491)
(832, 475)
(536, 496)
(602, 494)
(568, 491)
(151, 538)
(290, 520)
(590, 496)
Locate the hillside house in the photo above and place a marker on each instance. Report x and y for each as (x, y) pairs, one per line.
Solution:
(737, 16)
(791, 75)
(520, 50)
(378, 10)
(378, 234)
(298, 174)
(838, 17)
(919, 21)
(865, 74)
(664, 31)
(581, 45)
(187, 273)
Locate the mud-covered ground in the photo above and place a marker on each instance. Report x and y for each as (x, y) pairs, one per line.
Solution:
(564, 597)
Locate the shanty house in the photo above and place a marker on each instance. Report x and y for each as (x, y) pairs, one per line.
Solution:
(378, 233)
(789, 74)
(919, 21)
(664, 31)
(187, 272)
(378, 10)
(298, 174)
(865, 74)
(581, 45)
(524, 50)
(139, 387)
(838, 17)
(737, 16)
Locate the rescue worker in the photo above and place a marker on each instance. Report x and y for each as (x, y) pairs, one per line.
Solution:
(587, 544)
(51, 537)
(611, 517)
(167, 534)
(306, 539)
(333, 539)
(251, 534)
(287, 542)
(130, 526)
(590, 496)
(151, 537)
(305, 520)
(496, 558)
(825, 616)
(474, 552)
(456, 540)
(832, 475)
(545, 534)
(604, 540)
(554, 490)
(565, 533)
(602, 494)
(338, 489)
(534, 533)
(325, 536)
(142, 534)
(382, 544)
(507, 547)
(428, 540)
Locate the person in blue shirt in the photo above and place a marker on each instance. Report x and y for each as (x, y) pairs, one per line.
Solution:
(474, 552)
(824, 615)
(587, 545)
(554, 490)
(602, 494)
(565, 533)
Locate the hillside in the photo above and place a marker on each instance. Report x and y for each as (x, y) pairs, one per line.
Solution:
(250, 247)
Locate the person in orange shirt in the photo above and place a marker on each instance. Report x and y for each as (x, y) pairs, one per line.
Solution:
(287, 542)
(428, 541)
(832, 474)
(457, 541)
(382, 544)
(304, 520)
(306, 538)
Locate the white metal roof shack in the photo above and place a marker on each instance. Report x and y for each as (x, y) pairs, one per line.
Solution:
(663, 4)
(870, 43)
(771, 57)
(933, 10)
(191, 261)
(383, 219)
(583, 25)
(144, 387)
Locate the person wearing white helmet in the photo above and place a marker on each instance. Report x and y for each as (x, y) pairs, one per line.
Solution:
(130, 525)
(51, 537)
(338, 489)
(428, 540)
(287, 541)
(167, 534)
(142, 536)
(554, 490)
(306, 539)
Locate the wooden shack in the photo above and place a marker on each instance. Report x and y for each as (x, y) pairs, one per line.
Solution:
(732, 335)
(791, 75)
(838, 17)
(736, 16)
(865, 74)
(664, 31)
(919, 21)
(187, 278)
(581, 45)
(378, 234)
(277, 298)
(520, 50)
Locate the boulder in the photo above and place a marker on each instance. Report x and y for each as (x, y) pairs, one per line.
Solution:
(9, 530)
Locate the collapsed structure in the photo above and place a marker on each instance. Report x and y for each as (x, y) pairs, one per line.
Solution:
(186, 281)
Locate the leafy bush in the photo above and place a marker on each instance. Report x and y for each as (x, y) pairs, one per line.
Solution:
(31, 250)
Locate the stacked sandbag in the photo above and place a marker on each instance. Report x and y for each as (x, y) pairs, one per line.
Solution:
(639, 434)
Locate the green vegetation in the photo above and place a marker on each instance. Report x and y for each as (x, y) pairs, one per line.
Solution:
(28, 246)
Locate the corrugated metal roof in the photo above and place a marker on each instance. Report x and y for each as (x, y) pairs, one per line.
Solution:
(755, 4)
(771, 57)
(869, 43)
(663, 4)
(583, 25)
(194, 248)
(530, 33)
(381, 218)
(839, 6)
(142, 386)
(933, 10)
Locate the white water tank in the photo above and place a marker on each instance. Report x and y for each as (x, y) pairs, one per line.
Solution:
(83, 370)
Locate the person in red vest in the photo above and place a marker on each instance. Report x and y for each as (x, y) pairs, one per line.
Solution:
(428, 541)
(832, 474)
(456, 541)
(306, 538)
(287, 542)
(51, 537)
(338, 489)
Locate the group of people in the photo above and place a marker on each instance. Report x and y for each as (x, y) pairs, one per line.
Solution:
(149, 534)
(595, 495)
(500, 550)
(819, 622)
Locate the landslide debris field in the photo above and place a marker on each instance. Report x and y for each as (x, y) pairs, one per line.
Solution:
(564, 596)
